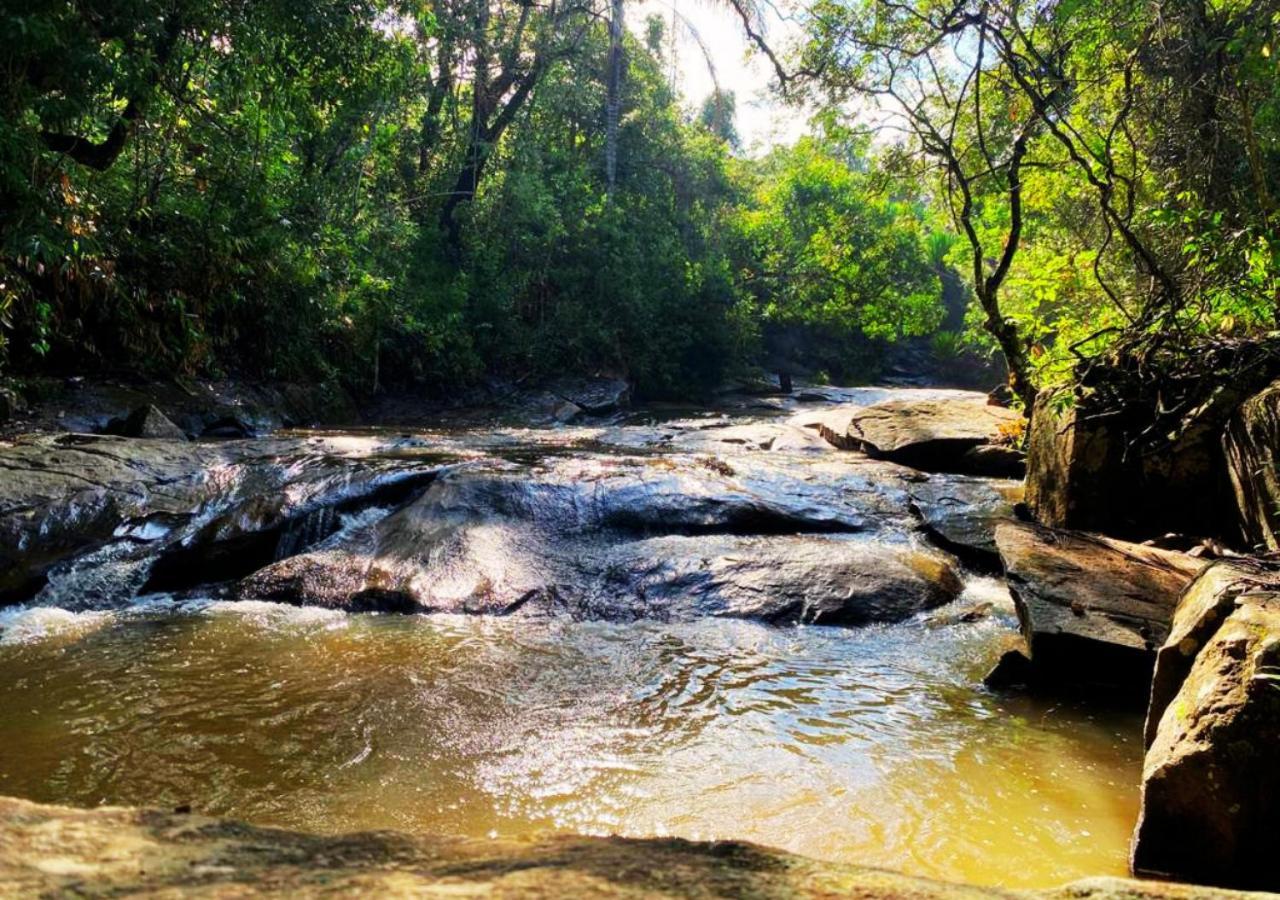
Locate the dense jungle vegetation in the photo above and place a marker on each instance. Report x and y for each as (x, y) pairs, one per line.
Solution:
(425, 191)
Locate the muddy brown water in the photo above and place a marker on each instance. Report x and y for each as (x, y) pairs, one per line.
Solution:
(874, 745)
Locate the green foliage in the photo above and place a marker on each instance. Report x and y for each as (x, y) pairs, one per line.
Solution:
(390, 191)
(1121, 157)
(825, 247)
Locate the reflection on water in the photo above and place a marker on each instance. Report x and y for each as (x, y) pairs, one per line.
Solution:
(871, 746)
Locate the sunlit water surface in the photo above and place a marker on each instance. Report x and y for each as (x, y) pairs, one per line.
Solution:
(875, 746)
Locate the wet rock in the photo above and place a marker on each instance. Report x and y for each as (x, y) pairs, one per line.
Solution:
(930, 434)
(960, 514)
(1211, 783)
(1252, 447)
(62, 495)
(1093, 610)
(812, 579)
(668, 539)
(277, 524)
(70, 503)
(115, 852)
(147, 422)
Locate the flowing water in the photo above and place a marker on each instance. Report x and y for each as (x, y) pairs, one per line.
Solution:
(875, 745)
(871, 745)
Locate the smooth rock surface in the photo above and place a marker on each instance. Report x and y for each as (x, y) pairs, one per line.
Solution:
(1211, 777)
(115, 851)
(620, 539)
(1093, 610)
(1252, 447)
(932, 435)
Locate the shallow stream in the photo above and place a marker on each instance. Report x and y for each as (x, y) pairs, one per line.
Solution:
(874, 745)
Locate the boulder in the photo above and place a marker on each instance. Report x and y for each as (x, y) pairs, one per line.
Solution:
(1211, 778)
(1252, 447)
(620, 541)
(933, 435)
(1087, 470)
(55, 851)
(1200, 611)
(147, 422)
(1093, 610)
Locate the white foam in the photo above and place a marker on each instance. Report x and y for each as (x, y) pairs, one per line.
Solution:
(27, 624)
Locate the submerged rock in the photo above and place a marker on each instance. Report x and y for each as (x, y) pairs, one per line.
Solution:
(116, 851)
(1252, 446)
(1211, 778)
(934, 435)
(1093, 610)
(622, 540)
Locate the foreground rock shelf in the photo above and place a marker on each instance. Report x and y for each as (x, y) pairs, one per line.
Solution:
(112, 851)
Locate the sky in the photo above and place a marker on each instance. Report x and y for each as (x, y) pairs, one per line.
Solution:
(762, 120)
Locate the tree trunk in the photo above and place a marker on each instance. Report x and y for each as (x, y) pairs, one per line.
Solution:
(613, 102)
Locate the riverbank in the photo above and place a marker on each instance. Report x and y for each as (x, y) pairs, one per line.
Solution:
(55, 851)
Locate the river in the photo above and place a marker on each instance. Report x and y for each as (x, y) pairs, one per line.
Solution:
(875, 745)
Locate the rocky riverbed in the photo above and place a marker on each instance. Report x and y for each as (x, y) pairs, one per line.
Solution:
(765, 619)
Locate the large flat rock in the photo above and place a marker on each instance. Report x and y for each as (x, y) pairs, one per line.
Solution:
(1093, 610)
(66, 497)
(935, 435)
(49, 851)
(625, 539)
